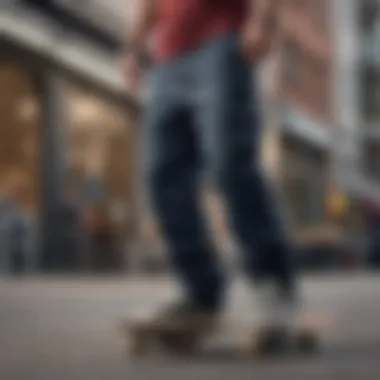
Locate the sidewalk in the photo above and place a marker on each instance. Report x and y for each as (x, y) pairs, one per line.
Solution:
(66, 329)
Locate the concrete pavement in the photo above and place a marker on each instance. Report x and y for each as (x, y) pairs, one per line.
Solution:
(60, 328)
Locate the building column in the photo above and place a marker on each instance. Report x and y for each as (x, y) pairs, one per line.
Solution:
(53, 166)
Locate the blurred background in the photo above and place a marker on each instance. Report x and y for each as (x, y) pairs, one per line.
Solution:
(70, 199)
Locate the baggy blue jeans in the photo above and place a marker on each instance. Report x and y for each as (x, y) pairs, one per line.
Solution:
(203, 112)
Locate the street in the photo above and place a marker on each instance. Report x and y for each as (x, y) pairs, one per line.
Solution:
(62, 328)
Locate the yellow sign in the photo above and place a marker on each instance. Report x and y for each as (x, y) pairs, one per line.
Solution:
(338, 204)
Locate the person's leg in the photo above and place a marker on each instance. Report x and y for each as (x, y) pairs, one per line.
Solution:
(171, 170)
(228, 106)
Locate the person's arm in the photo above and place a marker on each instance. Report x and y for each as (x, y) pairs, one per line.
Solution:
(264, 13)
(141, 26)
(260, 28)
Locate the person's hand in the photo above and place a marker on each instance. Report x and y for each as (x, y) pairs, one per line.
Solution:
(256, 40)
(132, 71)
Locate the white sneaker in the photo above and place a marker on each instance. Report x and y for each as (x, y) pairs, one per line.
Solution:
(276, 308)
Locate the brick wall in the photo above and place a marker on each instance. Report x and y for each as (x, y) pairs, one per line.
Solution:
(305, 53)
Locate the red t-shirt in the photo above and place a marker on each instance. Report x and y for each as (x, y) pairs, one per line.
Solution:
(184, 24)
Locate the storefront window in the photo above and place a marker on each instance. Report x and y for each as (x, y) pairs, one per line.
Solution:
(20, 148)
(100, 168)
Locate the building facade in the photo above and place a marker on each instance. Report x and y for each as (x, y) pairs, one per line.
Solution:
(356, 88)
(326, 104)
(301, 109)
(67, 122)
(369, 76)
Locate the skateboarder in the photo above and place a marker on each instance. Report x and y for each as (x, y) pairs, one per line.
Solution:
(202, 112)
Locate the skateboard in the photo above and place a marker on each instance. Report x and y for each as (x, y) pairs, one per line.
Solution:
(239, 336)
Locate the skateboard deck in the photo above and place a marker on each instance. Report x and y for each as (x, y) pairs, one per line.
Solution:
(229, 334)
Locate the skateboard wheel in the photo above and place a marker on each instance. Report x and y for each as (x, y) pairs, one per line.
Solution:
(307, 342)
(137, 346)
(270, 342)
(179, 343)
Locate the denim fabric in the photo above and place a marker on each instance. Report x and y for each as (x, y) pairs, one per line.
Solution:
(203, 113)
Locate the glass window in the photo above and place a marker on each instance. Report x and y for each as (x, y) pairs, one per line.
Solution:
(372, 158)
(370, 88)
(20, 147)
(369, 15)
(100, 152)
(19, 134)
(369, 19)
